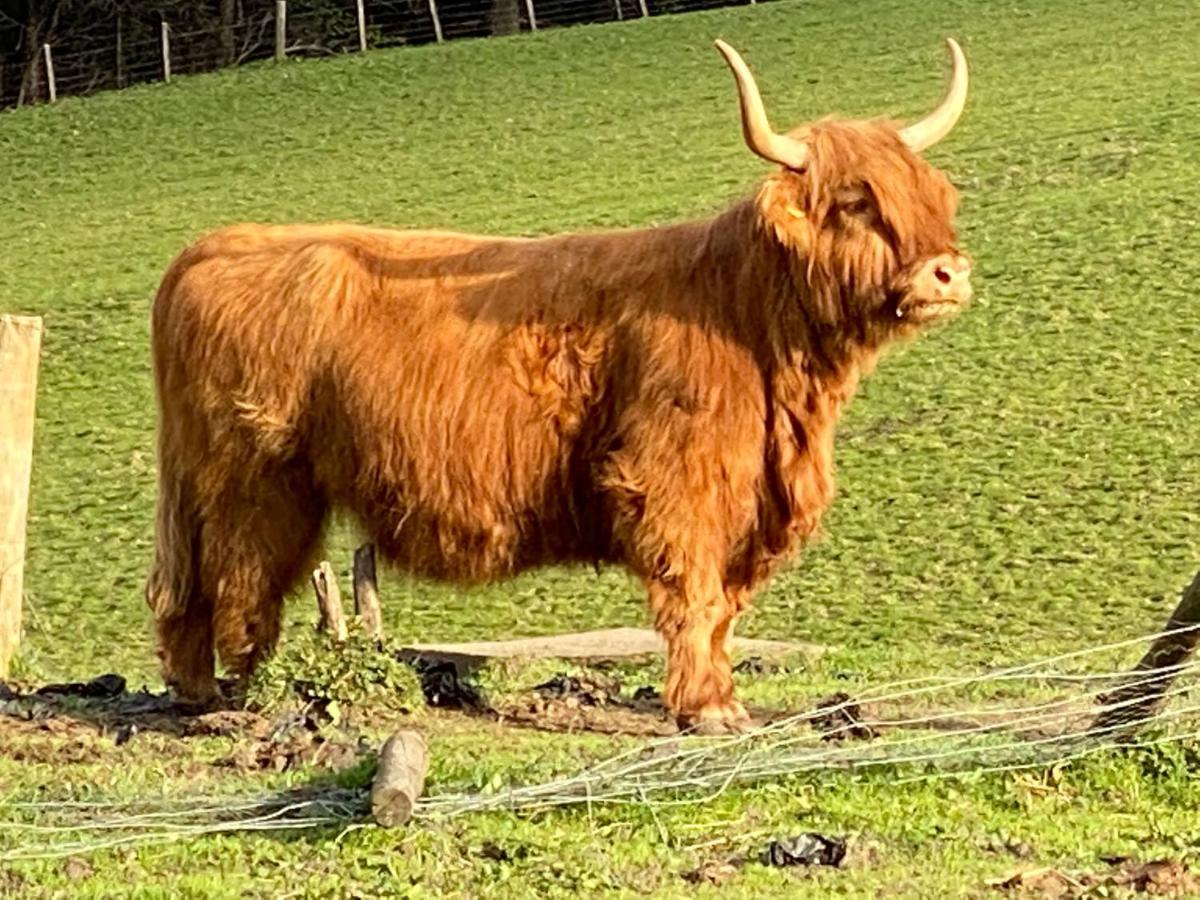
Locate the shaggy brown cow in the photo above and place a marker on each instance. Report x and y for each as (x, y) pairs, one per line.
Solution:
(663, 398)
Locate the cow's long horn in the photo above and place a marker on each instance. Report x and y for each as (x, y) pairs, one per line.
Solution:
(924, 134)
(771, 146)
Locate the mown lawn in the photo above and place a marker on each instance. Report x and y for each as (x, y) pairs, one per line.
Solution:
(1021, 483)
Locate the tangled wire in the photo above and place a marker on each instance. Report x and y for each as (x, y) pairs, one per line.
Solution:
(852, 733)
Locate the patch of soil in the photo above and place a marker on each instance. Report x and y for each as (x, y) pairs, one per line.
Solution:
(80, 722)
(838, 717)
(298, 750)
(590, 702)
(1160, 877)
(715, 872)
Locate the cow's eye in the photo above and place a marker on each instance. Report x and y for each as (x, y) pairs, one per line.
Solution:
(859, 206)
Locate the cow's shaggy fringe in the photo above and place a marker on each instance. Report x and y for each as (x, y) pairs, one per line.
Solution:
(943, 742)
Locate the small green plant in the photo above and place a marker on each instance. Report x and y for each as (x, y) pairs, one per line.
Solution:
(310, 670)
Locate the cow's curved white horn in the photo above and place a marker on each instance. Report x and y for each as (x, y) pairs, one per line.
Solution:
(924, 134)
(771, 146)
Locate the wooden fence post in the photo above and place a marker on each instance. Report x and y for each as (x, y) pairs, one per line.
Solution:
(280, 30)
(645, 9)
(166, 51)
(120, 48)
(362, 26)
(366, 591)
(437, 23)
(532, 17)
(329, 602)
(51, 84)
(20, 347)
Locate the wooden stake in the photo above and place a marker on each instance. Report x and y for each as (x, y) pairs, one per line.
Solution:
(437, 23)
(329, 602)
(166, 51)
(20, 348)
(362, 26)
(1142, 694)
(366, 591)
(532, 17)
(120, 48)
(645, 9)
(400, 778)
(280, 30)
(50, 82)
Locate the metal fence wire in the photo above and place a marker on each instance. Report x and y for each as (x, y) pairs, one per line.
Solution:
(137, 51)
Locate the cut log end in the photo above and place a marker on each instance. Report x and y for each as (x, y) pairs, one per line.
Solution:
(400, 778)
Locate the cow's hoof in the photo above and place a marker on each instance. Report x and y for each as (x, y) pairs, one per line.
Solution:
(195, 700)
(720, 719)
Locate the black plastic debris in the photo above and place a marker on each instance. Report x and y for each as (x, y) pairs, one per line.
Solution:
(808, 849)
(109, 685)
(125, 734)
(444, 688)
(838, 717)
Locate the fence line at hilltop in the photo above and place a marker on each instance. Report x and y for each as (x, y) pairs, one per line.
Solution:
(57, 71)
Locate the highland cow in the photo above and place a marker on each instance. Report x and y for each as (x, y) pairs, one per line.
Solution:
(661, 398)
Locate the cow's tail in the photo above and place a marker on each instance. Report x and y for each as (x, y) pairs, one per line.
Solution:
(173, 582)
(173, 579)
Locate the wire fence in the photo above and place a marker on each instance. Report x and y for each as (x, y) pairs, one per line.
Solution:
(359, 25)
(1040, 714)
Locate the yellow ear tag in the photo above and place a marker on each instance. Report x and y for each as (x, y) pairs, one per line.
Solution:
(794, 213)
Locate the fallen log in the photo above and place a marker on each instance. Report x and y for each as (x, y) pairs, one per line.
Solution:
(1140, 696)
(400, 778)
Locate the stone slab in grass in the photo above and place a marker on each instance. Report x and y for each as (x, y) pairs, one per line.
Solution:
(605, 643)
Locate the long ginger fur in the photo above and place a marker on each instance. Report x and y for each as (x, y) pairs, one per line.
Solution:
(661, 398)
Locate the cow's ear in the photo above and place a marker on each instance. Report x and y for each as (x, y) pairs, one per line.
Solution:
(787, 203)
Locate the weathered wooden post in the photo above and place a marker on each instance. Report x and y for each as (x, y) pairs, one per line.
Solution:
(329, 603)
(529, 12)
(20, 348)
(362, 25)
(51, 84)
(165, 39)
(437, 22)
(1141, 695)
(366, 591)
(280, 30)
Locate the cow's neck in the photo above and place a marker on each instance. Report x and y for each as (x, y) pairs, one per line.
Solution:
(810, 371)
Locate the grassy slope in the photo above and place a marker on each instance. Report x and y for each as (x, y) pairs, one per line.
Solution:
(1021, 482)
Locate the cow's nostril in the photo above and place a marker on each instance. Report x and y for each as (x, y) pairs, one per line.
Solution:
(941, 275)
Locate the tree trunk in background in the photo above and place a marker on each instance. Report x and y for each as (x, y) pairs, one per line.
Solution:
(31, 65)
(228, 18)
(504, 17)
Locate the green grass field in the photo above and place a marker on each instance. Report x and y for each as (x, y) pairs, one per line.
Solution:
(1021, 483)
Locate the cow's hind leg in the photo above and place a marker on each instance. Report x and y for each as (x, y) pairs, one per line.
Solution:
(694, 620)
(257, 545)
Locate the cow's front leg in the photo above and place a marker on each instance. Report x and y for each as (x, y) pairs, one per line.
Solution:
(694, 618)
